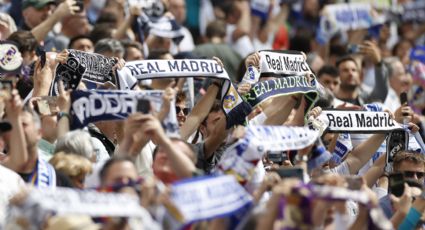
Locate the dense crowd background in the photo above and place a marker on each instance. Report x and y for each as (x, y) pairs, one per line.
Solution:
(356, 68)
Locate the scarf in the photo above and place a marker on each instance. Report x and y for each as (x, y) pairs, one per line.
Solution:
(235, 108)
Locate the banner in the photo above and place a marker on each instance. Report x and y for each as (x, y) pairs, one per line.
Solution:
(292, 76)
(205, 198)
(289, 85)
(79, 66)
(413, 11)
(260, 9)
(358, 121)
(346, 16)
(296, 209)
(158, 25)
(88, 202)
(241, 158)
(288, 62)
(102, 105)
(235, 108)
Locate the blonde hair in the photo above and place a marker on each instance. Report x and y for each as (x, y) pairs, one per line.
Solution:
(71, 165)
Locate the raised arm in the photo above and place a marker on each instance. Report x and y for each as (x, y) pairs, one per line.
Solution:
(278, 110)
(216, 138)
(18, 153)
(43, 78)
(373, 173)
(123, 28)
(66, 8)
(363, 152)
(199, 112)
(180, 162)
(64, 104)
(379, 93)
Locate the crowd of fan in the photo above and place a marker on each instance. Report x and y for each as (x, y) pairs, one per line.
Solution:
(113, 155)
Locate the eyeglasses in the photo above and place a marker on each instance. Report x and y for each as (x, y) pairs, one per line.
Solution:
(411, 174)
(185, 110)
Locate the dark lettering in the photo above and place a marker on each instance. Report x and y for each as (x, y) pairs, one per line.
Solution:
(268, 61)
(331, 119)
(133, 70)
(218, 68)
(173, 66)
(194, 66)
(184, 67)
(204, 66)
(140, 67)
(159, 69)
(360, 119)
(151, 68)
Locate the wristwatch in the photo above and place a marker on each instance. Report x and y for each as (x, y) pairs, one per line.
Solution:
(63, 114)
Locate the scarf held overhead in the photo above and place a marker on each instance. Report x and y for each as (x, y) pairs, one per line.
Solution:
(241, 158)
(102, 105)
(292, 76)
(79, 66)
(358, 121)
(208, 197)
(235, 108)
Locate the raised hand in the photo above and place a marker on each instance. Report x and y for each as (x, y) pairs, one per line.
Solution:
(253, 60)
(62, 56)
(64, 98)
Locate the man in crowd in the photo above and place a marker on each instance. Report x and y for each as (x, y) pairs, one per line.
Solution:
(350, 88)
(328, 76)
(145, 155)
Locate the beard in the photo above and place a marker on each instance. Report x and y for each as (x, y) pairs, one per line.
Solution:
(348, 87)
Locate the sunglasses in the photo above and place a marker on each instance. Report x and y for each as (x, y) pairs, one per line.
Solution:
(185, 110)
(411, 174)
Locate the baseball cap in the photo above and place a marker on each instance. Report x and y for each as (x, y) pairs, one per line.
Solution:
(5, 126)
(38, 4)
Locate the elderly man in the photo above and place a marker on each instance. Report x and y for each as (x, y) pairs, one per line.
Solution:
(400, 82)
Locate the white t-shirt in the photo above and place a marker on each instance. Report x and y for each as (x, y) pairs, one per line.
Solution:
(93, 180)
(341, 169)
(392, 102)
(100, 150)
(10, 184)
(144, 161)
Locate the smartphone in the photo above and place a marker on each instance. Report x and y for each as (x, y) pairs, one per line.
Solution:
(6, 85)
(42, 107)
(277, 157)
(354, 182)
(80, 4)
(47, 106)
(294, 172)
(403, 98)
(39, 51)
(396, 184)
(353, 48)
(143, 106)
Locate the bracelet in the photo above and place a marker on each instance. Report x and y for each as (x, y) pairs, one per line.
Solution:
(64, 114)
